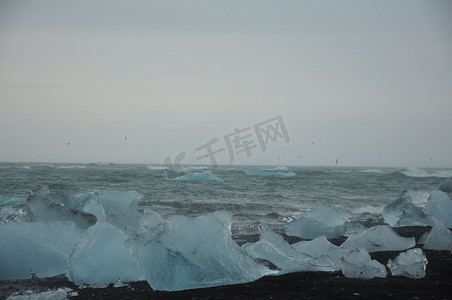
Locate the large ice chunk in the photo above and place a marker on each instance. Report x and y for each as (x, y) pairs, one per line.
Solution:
(358, 264)
(411, 263)
(439, 238)
(41, 246)
(440, 206)
(204, 176)
(408, 210)
(194, 253)
(102, 256)
(327, 221)
(272, 247)
(321, 247)
(124, 201)
(378, 238)
(44, 208)
(446, 185)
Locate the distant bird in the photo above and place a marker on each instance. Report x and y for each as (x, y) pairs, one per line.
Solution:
(68, 144)
(312, 143)
(337, 161)
(125, 138)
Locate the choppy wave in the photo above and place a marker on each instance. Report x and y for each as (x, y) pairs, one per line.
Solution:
(269, 174)
(72, 167)
(157, 168)
(377, 171)
(416, 172)
(276, 169)
(204, 176)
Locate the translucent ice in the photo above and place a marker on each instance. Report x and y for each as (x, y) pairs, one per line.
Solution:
(122, 222)
(378, 238)
(59, 294)
(408, 210)
(439, 238)
(99, 203)
(204, 176)
(44, 208)
(446, 185)
(358, 264)
(328, 221)
(272, 247)
(196, 252)
(321, 247)
(440, 206)
(124, 201)
(41, 246)
(150, 219)
(411, 263)
(102, 256)
(12, 214)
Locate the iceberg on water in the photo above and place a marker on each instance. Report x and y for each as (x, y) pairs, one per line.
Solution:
(411, 263)
(266, 174)
(439, 238)
(358, 264)
(378, 238)
(321, 247)
(273, 248)
(102, 256)
(408, 210)
(440, 206)
(204, 176)
(446, 185)
(41, 246)
(327, 221)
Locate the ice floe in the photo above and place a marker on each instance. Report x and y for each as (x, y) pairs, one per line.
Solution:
(379, 238)
(411, 263)
(408, 209)
(328, 221)
(358, 264)
(201, 176)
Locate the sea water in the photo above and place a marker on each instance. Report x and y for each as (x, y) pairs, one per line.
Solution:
(256, 196)
(209, 226)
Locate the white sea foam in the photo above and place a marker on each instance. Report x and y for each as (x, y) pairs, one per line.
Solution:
(269, 174)
(72, 167)
(157, 168)
(377, 171)
(276, 169)
(416, 172)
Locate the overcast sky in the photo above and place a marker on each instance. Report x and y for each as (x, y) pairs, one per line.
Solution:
(367, 82)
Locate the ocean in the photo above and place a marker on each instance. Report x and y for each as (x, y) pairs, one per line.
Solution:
(256, 196)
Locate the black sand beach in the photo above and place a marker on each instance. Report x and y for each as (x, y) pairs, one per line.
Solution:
(437, 284)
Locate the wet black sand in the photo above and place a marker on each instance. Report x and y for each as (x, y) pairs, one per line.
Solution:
(437, 284)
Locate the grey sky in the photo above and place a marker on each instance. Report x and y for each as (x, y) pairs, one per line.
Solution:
(368, 82)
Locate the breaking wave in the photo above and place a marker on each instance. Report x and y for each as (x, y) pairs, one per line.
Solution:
(416, 172)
